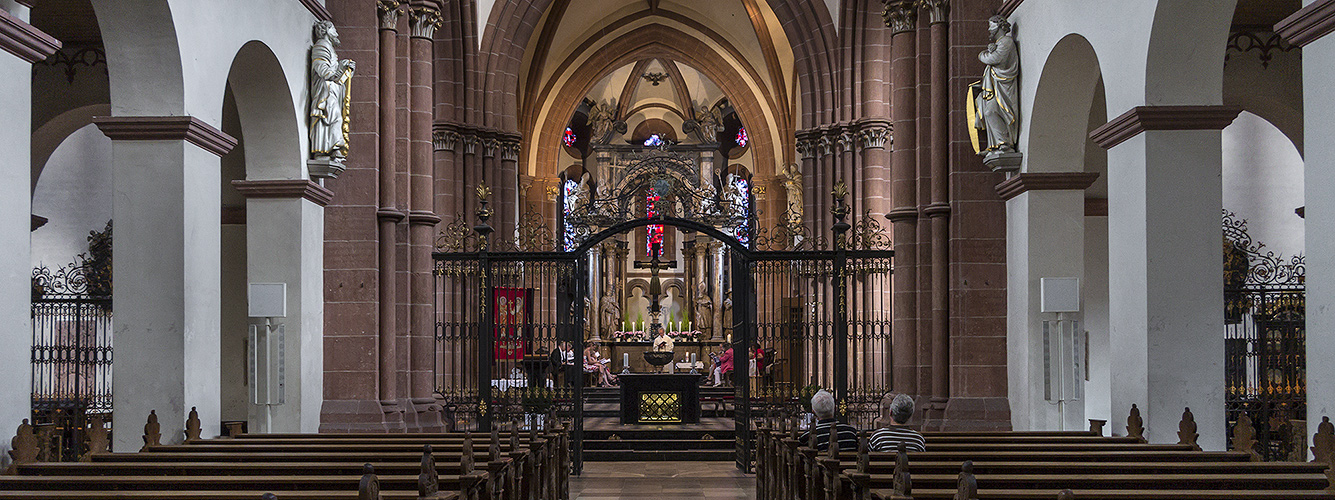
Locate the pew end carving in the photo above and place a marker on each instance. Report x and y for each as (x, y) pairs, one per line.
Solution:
(1244, 438)
(152, 431)
(1186, 430)
(1135, 426)
(369, 487)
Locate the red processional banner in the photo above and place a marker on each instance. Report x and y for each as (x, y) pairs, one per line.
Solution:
(514, 319)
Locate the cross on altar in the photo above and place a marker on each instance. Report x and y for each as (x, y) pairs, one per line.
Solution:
(654, 264)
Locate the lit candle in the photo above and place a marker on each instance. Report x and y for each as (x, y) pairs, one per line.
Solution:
(690, 326)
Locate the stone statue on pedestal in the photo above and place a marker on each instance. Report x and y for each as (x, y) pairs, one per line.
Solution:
(330, 102)
(704, 311)
(792, 183)
(997, 104)
(611, 310)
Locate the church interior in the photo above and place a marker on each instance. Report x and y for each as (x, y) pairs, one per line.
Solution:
(465, 249)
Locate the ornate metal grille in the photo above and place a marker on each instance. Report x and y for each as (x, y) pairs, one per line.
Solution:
(1264, 342)
(72, 349)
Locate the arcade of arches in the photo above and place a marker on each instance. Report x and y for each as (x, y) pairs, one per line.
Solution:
(786, 131)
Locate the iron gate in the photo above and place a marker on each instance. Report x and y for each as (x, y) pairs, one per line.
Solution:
(1264, 343)
(501, 311)
(820, 316)
(71, 356)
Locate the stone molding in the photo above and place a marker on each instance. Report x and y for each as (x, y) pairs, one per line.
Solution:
(388, 12)
(902, 214)
(317, 10)
(1044, 181)
(1096, 207)
(423, 218)
(1142, 118)
(24, 40)
(934, 210)
(166, 128)
(1008, 7)
(285, 188)
(390, 214)
(1309, 23)
(900, 15)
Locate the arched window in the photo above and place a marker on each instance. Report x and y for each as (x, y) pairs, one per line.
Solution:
(742, 138)
(653, 141)
(571, 200)
(569, 138)
(654, 232)
(739, 196)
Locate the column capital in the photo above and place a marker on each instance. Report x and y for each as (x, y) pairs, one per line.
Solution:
(900, 15)
(938, 10)
(509, 150)
(1045, 181)
(1142, 118)
(24, 40)
(445, 140)
(285, 188)
(874, 134)
(166, 128)
(423, 19)
(388, 11)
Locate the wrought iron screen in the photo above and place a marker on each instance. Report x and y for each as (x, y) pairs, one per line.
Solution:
(71, 354)
(1264, 342)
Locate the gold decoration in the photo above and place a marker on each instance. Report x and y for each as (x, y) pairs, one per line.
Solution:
(483, 192)
(840, 190)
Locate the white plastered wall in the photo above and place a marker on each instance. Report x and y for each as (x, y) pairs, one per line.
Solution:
(172, 58)
(15, 223)
(1159, 367)
(1319, 188)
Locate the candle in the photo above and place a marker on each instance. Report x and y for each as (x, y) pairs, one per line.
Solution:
(625, 359)
(692, 360)
(690, 326)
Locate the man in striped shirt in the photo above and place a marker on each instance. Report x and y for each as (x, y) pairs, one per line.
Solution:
(889, 437)
(822, 404)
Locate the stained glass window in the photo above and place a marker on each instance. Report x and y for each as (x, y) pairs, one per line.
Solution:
(569, 138)
(742, 138)
(654, 233)
(741, 207)
(653, 140)
(569, 199)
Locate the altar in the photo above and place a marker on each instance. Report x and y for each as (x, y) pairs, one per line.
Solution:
(660, 398)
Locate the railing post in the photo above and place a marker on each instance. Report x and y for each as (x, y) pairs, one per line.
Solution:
(486, 320)
(840, 284)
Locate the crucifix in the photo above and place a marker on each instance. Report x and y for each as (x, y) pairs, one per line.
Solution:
(654, 264)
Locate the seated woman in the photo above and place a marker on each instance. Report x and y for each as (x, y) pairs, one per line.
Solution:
(722, 366)
(594, 363)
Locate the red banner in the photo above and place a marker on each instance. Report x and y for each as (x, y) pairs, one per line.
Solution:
(514, 319)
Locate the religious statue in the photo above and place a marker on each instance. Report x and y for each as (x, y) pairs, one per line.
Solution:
(736, 194)
(603, 121)
(706, 123)
(611, 310)
(727, 314)
(998, 103)
(704, 310)
(588, 320)
(578, 195)
(792, 182)
(330, 101)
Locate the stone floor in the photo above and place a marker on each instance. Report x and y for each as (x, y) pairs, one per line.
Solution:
(662, 481)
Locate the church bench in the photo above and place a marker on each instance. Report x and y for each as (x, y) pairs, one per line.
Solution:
(1101, 481)
(213, 495)
(917, 467)
(1131, 494)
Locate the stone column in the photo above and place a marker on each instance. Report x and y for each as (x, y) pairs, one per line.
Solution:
(1094, 305)
(1165, 195)
(285, 235)
(423, 18)
(717, 249)
(901, 16)
(167, 297)
(23, 45)
(939, 208)
(388, 215)
(595, 317)
(1045, 236)
(1319, 196)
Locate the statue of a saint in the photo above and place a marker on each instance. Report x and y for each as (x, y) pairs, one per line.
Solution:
(704, 311)
(998, 104)
(330, 102)
(611, 310)
(792, 183)
(602, 121)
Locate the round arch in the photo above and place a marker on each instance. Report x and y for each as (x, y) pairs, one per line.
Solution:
(272, 136)
(1059, 122)
(51, 134)
(1185, 64)
(142, 45)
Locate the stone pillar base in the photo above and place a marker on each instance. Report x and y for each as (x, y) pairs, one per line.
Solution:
(977, 414)
(362, 416)
(934, 413)
(422, 415)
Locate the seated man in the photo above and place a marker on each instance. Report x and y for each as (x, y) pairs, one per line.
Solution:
(560, 361)
(822, 404)
(893, 431)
